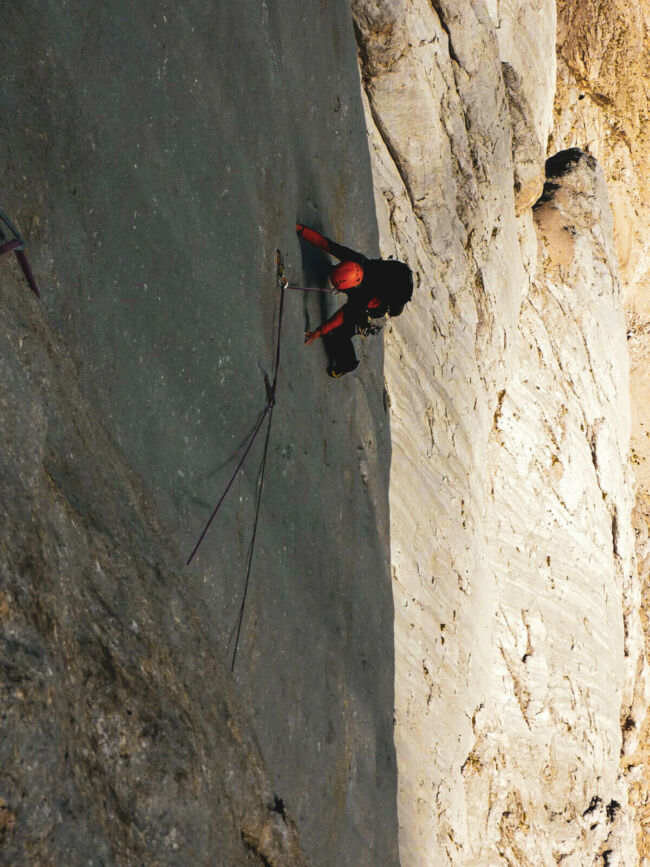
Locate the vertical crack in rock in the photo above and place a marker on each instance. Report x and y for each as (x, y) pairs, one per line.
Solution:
(437, 6)
(527, 149)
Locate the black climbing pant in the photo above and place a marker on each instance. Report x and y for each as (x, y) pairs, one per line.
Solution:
(340, 350)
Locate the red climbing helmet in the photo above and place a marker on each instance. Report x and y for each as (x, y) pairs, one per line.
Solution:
(347, 275)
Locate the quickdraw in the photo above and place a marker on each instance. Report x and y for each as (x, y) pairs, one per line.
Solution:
(16, 245)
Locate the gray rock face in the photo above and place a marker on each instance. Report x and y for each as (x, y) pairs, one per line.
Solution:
(122, 738)
(156, 157)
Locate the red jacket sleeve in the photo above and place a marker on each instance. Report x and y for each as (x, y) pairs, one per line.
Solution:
(333, 322)
(313, 237)
(345, 254)
(336, 320)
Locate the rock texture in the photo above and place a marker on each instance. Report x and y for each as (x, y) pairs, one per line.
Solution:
(601, 104)
(442, 627)
(155, 156)
(519, 661)
(567, 642)
(122, 738)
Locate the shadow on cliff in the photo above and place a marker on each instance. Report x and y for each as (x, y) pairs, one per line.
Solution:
(153, 214)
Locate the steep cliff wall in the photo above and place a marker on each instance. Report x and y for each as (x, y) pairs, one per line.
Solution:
(519, 656)
(601, 104)
(567, 641)
(155, 156)
(443, 622)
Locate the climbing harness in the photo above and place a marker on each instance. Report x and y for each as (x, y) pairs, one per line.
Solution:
(266, 413)
(16, 244)
(367, 329)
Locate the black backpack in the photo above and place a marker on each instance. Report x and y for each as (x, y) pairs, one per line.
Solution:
(388, 279)
(396, 287)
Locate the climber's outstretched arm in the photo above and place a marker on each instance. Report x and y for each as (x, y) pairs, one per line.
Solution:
(345, 254)
(333, 322)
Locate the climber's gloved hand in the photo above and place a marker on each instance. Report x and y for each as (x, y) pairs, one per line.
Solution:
(310, 336)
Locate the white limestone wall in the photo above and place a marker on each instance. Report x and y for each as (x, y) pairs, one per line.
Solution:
(543, 780)
(495, 580)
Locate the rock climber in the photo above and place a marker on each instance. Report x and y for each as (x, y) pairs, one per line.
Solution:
(374, 288)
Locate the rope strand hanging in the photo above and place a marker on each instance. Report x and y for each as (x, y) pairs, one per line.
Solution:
(282, 285)
(266, 413)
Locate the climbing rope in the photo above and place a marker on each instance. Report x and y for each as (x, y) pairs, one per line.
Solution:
(310, 289)
(282, 285)
(266, 413)
(258, 425)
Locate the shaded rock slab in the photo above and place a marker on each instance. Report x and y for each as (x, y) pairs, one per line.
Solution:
(154, 189)
(122, 738)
